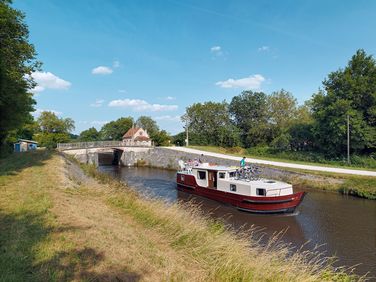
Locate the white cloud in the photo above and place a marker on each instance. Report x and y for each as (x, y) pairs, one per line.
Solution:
(98, 103)
(47, 80)
(250, 82)
(99, 122)
(95, 123)
(101, 70)
(263, 49)
(168, 118)
(170, 98)
(216, 50)
(37, 112)
(116, 64)
(122, 91)
(141, 105)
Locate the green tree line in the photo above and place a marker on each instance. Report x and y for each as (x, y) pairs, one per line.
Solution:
(115, 130)
(276, 121)
(48, 130)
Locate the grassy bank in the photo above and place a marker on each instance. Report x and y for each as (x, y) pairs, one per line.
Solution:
(57, 224)
(307, 158)
(359, 186)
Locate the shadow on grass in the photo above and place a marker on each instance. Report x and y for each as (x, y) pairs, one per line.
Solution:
(27, 255)
(16, 162)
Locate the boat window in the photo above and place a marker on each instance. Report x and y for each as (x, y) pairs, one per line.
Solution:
(222, 175)
(201, 174)
(232, 173)
(232, 187)
(182, 177)
(260, 192)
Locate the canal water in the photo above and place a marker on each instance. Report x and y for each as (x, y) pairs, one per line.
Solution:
(343, 226)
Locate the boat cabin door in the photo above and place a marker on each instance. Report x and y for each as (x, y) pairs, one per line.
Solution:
(212, 179)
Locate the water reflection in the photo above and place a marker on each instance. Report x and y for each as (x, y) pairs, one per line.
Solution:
(345, 226)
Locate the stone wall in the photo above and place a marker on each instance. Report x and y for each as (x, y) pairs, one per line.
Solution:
(86, 156)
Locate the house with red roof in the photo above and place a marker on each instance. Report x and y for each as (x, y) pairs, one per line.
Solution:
(137, 136)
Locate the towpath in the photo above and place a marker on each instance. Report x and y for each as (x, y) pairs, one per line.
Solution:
(279, 164)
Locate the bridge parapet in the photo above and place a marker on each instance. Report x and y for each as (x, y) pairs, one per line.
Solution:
(96, 144)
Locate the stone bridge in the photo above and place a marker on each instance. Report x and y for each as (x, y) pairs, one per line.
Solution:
(102, 152)
(96, 144)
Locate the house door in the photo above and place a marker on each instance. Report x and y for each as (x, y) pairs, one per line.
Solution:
(212, 178)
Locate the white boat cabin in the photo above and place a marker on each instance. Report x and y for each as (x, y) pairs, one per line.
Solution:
(229, 179)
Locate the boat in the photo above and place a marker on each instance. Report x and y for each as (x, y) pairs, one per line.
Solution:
(243, 188)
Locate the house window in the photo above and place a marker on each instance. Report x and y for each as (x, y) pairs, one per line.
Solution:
(232, 187)
(222, 175)
(260, 192)
(201, 175)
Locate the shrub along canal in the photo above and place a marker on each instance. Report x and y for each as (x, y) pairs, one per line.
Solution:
(342, 226)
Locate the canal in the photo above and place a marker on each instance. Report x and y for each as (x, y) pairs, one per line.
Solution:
(342, 226)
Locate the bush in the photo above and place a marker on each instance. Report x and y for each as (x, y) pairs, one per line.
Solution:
(50, 140)
(282, 142)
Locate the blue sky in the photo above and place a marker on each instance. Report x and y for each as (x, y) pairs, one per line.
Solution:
(107, 59)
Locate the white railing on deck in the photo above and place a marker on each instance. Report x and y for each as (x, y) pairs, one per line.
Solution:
(97, 144)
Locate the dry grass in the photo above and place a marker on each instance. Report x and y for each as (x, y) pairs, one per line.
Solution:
(59, 225)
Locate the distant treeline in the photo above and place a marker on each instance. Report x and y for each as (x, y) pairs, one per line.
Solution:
(48, 129)
(276, 121)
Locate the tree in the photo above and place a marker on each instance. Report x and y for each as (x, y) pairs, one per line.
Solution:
(115, 130)
(282, 112)
(50, 123)
(90, 134)
(148, 124)
(282, 142)
(210, 123)
(349, 91)
(301, 131)
(53, 130)
(250, 113)
(17, 62)
(162, 138)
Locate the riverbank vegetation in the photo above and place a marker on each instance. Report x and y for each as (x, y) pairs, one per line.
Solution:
(58, 224)
(275, 125)
(309, 158)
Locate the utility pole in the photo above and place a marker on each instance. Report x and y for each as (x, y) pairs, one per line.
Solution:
(348, 139)
(187, 139)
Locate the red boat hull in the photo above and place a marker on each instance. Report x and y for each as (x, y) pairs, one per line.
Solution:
(279, 204)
